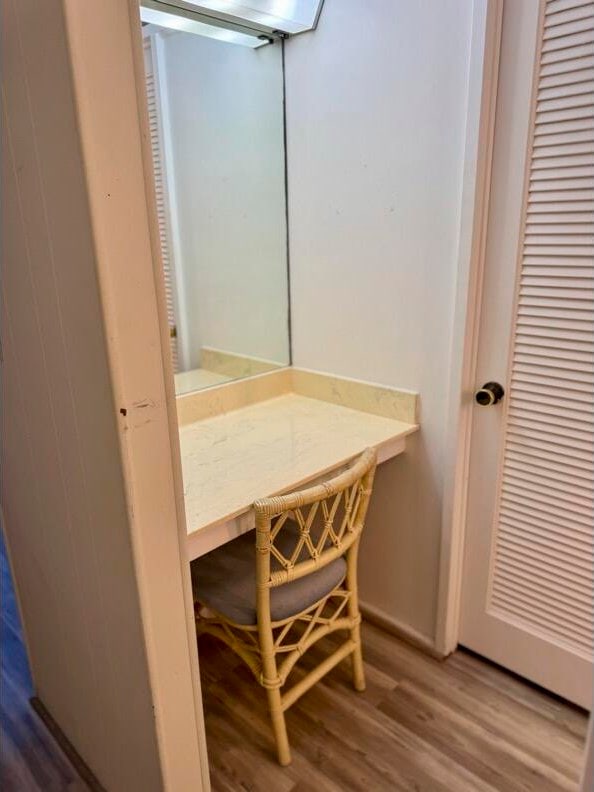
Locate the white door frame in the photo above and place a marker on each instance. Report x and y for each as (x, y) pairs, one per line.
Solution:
(484, 62)
(480, 127)
(105, 45)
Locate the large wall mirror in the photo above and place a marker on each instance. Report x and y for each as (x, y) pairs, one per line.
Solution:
(215, 99)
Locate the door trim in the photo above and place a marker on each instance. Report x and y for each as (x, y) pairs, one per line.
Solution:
(193, 678)
(104, 40)
(476, 185)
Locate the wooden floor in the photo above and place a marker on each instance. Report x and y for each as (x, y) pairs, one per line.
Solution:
(30, 759)
(461, 726)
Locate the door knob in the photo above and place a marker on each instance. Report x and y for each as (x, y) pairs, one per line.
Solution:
(489, 394)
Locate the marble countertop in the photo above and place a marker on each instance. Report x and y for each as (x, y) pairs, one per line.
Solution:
(273, 446)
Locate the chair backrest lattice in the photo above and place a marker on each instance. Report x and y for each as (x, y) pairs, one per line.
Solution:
(303, 531)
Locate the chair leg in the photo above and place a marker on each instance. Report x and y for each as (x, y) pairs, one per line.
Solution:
(354, 613)
(357, 660)
(279, 727)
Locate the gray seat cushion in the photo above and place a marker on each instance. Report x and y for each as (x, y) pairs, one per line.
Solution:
(225, 579)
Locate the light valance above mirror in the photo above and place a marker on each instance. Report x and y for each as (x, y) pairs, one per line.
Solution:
(258, 17)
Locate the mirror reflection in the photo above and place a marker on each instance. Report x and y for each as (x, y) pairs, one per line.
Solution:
(217, 135)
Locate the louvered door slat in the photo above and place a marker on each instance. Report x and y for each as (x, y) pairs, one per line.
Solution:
(566, 72)
(573, 315)
(559, 584)
(559, 66)
(560, 482)
(577, 639)
(560, 412)
(565, 605)
(562, 90)
(546, 553)
(543, 561)
(565, 97)
(554, 7)
(563, 135)
(580, 351)
(552, 425)
(548, 466)
(550, 389)
(556, 28)
(161, 201)
(554, 473)
(560, 355)
(532, 511)
(540, 404)
(548, 130)
(581, 39)
(550, 162)
(582, 229)
(567, 17)
(556, 198)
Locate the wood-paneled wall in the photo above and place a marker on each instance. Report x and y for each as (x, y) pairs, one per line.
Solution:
(108, 638)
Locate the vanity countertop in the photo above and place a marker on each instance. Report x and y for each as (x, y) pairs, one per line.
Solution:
(267, 448)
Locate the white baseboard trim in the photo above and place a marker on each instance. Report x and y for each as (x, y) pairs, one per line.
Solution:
(399, 629)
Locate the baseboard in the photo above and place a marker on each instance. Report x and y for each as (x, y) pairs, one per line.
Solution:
(68, 749)
(399, 629)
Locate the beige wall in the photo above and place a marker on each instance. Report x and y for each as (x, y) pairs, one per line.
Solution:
(95, 556)
(377, 101)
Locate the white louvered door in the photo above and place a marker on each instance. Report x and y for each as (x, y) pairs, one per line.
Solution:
(527, 591)
(159, 167)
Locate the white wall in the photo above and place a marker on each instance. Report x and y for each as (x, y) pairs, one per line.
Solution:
(226, 125)
(376, 103)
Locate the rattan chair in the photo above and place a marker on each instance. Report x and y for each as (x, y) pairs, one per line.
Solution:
(270, 603)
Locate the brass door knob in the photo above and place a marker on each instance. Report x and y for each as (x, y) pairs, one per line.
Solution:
(489, 394)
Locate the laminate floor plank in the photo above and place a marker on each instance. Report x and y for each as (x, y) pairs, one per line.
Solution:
(407, 760)
(504, 715)
(499, 763)
(535, 699)
(251, 717)
(30, 758)
(461, 725)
